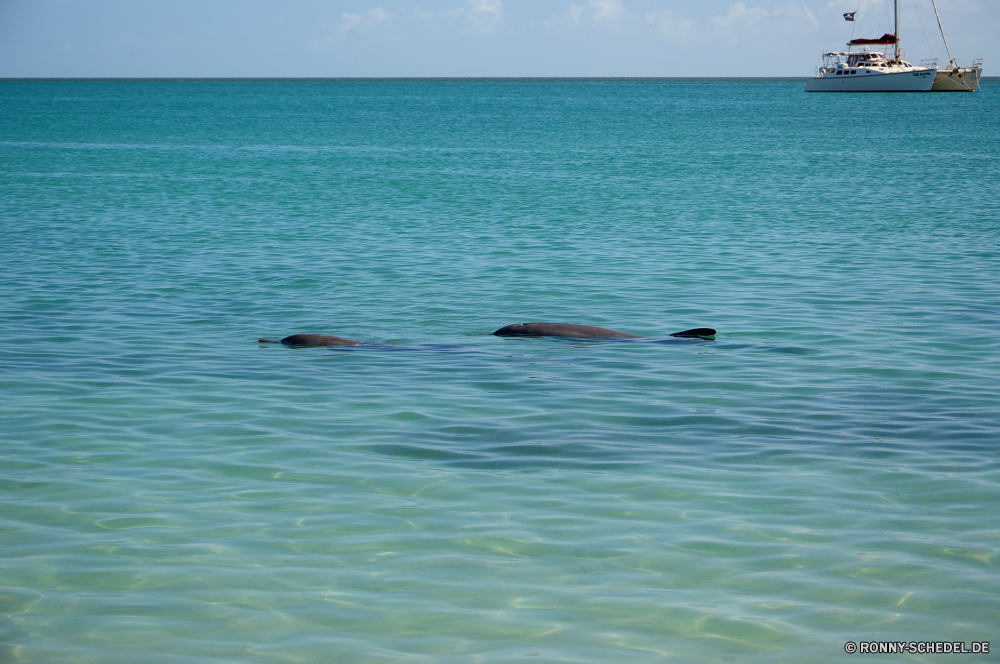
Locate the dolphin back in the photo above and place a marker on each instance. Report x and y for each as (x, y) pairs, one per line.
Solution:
(573, 331)
(569, 330)
(317, 340)
(696, 333)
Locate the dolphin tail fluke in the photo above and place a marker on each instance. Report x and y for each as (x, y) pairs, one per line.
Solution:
(696, 333)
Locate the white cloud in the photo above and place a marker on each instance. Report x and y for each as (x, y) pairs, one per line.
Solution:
(480, 16)
(573, 16)
(596, 12)
(371, 17)
(606, 10)
(742, 16)
(348, 23)
(484, 15)
(837, 5)
(668, 24)
(796, 11)
(492, 8)
(452, 13)
(739, 14)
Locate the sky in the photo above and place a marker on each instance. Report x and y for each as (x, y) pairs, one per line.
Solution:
(467, 38)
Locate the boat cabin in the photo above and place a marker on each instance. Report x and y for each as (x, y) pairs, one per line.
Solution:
(869, 59)
(854, 60)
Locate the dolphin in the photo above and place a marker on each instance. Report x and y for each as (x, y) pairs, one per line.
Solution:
(312, 341)
(573, 331)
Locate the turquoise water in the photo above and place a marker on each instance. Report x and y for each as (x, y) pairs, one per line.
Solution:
(827, 470)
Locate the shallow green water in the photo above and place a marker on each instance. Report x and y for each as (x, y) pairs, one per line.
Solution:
(826, 471)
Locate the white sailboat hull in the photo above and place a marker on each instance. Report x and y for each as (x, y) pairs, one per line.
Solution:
(867, 80)
(965, 79)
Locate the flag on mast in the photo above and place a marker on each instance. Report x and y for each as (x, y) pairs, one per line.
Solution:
(849, 16)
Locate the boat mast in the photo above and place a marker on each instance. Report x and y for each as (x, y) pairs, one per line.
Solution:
(895, 15)
(951, 60)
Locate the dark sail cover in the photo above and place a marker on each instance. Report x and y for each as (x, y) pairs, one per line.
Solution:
(884, 39)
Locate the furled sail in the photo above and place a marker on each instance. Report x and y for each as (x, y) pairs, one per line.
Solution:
(884, 39)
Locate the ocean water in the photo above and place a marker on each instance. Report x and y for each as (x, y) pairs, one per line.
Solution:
(825, 471)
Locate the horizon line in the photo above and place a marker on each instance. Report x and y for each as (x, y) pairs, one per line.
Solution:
(400, 78)
(411, 78)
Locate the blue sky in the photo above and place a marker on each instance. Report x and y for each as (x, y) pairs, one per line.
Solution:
(359, 38)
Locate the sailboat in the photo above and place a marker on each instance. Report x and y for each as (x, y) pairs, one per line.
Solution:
(868, 70)
(954, 77)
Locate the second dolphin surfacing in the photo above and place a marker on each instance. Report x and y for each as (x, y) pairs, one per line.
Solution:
(312, 341)
(573, 331)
